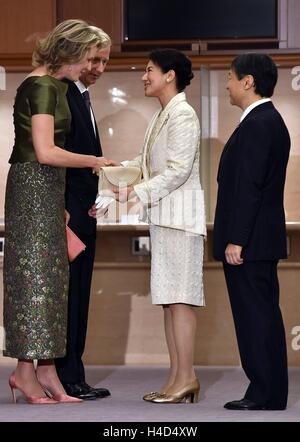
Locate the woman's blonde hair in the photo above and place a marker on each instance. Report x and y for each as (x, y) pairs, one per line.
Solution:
(68, 43)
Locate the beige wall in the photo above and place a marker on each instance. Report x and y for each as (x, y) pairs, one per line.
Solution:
(225, 117)
(123, 120)
(124, 327)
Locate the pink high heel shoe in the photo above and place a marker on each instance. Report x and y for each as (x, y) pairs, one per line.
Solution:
(64, 398)
(33, 400)
(61, 397)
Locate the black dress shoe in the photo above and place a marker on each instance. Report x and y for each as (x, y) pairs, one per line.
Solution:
(77, 390)
(99, 392)
(244, 404)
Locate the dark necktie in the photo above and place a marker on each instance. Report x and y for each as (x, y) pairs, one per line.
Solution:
(87, 101)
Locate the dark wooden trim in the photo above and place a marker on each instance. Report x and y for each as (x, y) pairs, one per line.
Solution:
(215, 61)
(16, 62)
(202, 45)
(126, 62)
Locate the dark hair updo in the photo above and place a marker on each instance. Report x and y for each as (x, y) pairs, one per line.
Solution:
(172, 59)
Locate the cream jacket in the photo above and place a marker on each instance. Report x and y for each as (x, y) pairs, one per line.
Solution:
(171, 188)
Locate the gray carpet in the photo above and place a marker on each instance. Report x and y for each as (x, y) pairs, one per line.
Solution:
(128, 384)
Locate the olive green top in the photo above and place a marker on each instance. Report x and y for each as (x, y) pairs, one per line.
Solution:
(39, 95)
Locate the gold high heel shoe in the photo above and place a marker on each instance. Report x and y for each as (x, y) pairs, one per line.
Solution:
(188, 394)
(33, 400)
(150, 396)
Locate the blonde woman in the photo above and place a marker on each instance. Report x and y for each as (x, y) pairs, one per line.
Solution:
(35, 259)
(173, 195)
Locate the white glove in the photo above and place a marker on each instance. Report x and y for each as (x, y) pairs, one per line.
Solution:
(103, 201)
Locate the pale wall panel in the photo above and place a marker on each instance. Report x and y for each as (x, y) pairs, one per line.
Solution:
(125, 328)
(225, 117)
(122, 122)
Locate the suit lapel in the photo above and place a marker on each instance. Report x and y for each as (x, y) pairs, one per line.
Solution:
(147, 141)
(229, 140)
(260, 108)
(86, 116)
(82, 109)
(164, 115)
(160, 118)
(97, 137)
(226, 147)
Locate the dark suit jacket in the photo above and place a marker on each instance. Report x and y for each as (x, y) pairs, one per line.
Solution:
(81, 184)
(251, 180)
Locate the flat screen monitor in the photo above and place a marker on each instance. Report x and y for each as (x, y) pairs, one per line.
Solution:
(200, 19)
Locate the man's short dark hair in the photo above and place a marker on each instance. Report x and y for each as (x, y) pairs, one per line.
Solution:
(261, 67)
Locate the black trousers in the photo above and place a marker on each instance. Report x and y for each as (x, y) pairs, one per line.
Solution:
(254, 296)
(70, 369)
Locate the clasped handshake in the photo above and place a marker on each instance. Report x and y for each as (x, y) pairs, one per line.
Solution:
(106, 196)
(103, 162)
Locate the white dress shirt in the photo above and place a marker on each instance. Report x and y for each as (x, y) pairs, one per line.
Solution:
(252, 106)
(82, 89)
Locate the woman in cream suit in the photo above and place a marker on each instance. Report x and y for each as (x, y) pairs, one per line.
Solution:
(172, 193)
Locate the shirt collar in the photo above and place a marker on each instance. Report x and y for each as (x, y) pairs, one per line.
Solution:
(252, 106)
(81, 86)
(176, 99)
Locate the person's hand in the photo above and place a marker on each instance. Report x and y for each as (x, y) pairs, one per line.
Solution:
(104, 198)
(93, 211)
(101, 212)
(102, 162)
(123, 194)
(233, 254)
(67, 217)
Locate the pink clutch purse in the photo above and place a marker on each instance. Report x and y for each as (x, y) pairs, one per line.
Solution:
(75, 245)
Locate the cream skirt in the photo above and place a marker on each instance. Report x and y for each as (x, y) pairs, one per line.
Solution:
(176, 266)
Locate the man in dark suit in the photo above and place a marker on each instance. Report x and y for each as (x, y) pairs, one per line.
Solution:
(249, 230)
(81, 191)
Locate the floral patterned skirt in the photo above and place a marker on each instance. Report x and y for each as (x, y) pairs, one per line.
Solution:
(35, 263)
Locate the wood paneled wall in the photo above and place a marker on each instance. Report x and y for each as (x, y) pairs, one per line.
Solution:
(22, 21)
(106, 14)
